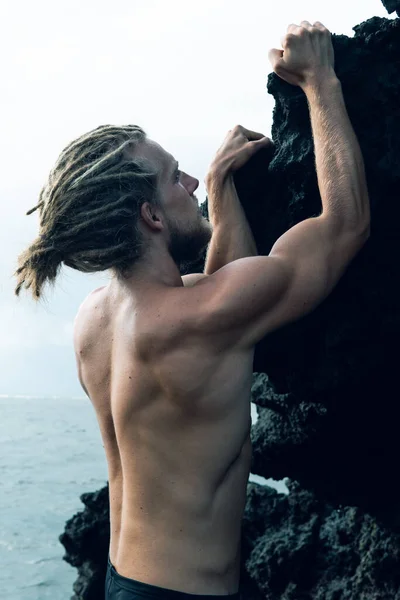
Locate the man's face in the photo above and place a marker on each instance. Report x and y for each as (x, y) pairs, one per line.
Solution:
(189, 232)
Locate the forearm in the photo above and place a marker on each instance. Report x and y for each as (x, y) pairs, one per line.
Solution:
(232, 237)
(339, 162)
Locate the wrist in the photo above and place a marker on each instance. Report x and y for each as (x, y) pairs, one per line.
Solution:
(319, 82)
(217, 175)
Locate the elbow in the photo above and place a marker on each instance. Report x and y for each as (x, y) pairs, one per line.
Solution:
(359, 231)
(364, 225)
(365, 231)
(356, 239)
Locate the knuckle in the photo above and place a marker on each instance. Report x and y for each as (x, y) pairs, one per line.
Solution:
(318, 25)
(289, 37)
(315, 32)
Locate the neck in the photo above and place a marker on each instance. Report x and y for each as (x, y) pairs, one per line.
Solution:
(150, 274)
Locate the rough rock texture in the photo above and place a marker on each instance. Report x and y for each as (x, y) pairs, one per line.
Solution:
(392, 6)
(298, 547)
(326, 389)
(338, 426)
(86, 540)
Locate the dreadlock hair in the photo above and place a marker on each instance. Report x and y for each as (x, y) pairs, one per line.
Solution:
(89, 209)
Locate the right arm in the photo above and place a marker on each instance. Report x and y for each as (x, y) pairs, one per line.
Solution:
(250, 297)
(339, 162)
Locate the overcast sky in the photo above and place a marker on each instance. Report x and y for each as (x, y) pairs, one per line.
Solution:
(185, 71)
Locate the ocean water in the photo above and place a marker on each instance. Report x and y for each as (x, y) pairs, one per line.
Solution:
(50, 453)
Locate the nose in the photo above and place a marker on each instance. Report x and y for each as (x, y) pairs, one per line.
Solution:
(190, 183)
(194, 184)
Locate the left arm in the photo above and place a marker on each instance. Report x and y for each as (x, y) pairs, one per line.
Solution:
(232, 237)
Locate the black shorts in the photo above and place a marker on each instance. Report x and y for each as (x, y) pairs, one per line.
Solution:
(119, 587)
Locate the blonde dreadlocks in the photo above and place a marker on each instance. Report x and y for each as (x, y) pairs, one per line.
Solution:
(89, 209)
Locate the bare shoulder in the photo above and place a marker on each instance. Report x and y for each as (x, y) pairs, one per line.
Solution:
(80, 321)
(192, 279)
(235, 305)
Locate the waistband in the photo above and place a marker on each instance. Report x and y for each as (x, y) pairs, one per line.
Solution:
(155, 591)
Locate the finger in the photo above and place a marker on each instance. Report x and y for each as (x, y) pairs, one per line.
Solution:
(286, 39)
(292, 28)
(320, 25)
(266, 141)
(306, 25)
(252, 135)
(258, 145)
(275, 57)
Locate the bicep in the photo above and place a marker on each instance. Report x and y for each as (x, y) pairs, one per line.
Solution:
(237, 300)
(251, 297)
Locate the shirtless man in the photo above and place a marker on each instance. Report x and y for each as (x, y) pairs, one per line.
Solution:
(167, 360)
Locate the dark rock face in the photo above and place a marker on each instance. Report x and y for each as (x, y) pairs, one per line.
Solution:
(86, 540)
(391, 6)
(338, 366)
(326, 386)
(298, 547)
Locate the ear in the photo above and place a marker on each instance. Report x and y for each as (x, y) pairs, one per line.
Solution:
(151, 216)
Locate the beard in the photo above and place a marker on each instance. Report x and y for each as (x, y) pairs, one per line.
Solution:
(186, 247)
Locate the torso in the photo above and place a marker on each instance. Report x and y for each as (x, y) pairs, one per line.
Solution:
(174, 415)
